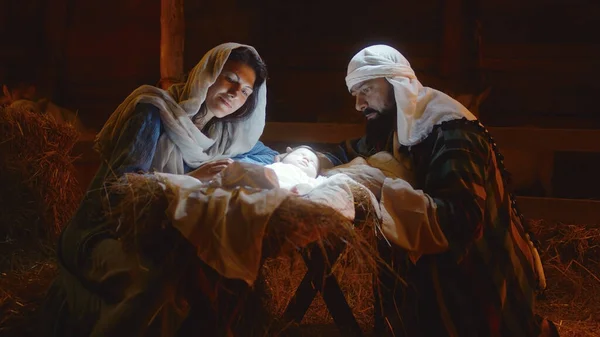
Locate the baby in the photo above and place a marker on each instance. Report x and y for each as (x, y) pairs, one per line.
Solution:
(298, 169)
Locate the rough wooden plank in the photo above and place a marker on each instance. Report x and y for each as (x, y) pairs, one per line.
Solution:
(56, 23)
(311, 132)
(455, 42)
(537, 65)
(539, 58)
(335, 55)
(172, 40)
(566, 210)
(522, 137)
(548, 51)
(319, 278)
(563, 210)
(578, 140)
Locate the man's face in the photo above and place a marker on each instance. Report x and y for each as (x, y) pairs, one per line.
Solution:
(374, 97)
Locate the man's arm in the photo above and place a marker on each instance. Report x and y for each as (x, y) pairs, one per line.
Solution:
(450, 215)
(259, 154)
(345, 151)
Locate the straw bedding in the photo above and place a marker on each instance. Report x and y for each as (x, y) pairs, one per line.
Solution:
(570, 254)
(571, 300)
(294, 224)
(571, 257)
(39, 189)
(39, 194)
(353, 270)
(297, 222)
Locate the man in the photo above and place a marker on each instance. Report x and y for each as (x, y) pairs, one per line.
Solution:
(463, 257)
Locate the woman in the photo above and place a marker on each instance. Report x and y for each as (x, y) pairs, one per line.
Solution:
(194, 127)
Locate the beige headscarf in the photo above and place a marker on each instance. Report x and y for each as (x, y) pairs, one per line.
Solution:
(182, 140)
(419, 108)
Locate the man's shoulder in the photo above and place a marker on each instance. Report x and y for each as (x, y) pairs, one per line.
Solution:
(462, 133)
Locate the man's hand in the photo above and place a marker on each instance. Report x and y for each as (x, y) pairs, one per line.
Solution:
(210, 169)
(370, 177)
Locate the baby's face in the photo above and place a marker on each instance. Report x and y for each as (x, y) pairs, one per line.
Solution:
(304, 159)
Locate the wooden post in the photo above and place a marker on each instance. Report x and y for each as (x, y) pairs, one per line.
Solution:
(172, 38)
(56, 27)
(458, 42)
(452, 38)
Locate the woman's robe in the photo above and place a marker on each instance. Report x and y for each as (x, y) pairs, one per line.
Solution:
(100, 286)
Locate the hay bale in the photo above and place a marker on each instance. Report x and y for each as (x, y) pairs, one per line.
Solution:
(22, 290)
(570, 253)
(579, 242)
(283, 275)
(354, 270)
(39, 194)
(39, 189)
(296, 223)
(141, 218)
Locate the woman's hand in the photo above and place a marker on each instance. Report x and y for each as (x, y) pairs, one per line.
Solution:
(210, 169)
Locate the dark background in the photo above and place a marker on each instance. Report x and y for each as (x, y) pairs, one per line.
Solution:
(541, 57)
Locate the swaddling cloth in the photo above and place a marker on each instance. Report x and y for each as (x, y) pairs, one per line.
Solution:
(290, 176)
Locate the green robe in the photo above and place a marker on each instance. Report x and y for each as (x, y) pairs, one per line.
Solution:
(485, 283)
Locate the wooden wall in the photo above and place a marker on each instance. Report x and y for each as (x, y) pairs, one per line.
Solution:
(112, 47)
(20, 33)
(540, 56)
(308, 45)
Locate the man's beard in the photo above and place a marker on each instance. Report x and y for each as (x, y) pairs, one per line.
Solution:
(380, 127)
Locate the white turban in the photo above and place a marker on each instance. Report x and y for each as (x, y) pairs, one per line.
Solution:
(182, 141)
(419, 108)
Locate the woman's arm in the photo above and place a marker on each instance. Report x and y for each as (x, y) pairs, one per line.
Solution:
(259, 154)
(137, 142)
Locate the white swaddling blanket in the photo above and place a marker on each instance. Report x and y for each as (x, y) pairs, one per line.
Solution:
(290, 176)
(226, 218)
(225, 223)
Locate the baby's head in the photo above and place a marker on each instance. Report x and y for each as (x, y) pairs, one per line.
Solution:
(304, 158)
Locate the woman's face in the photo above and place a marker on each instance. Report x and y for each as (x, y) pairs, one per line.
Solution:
(231, 89)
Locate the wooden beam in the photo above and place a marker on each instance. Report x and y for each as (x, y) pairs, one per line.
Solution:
(576, 140)
(56, 21)
(172, 38)
(581, 140)
(531, 65)
(575, 211)
(535, 139)
(458, 59)
(453, 38)
(554, 209)
(542, 51)
(311, 132)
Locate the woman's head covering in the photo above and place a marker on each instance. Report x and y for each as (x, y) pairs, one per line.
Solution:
(182, 141)
(418, 108)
